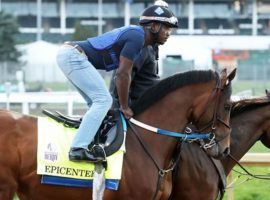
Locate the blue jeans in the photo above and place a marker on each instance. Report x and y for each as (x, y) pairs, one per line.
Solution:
(90, 84)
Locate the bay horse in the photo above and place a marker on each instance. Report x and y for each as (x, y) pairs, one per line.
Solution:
(197, 177)
(201, 97)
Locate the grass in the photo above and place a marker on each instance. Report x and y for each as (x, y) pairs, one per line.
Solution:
(53, 86)
(254, 189)
(259, 148)
(57, 86)
(16, 198)
(257, 87)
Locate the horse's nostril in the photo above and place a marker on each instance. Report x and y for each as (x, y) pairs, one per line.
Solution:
(226, 151)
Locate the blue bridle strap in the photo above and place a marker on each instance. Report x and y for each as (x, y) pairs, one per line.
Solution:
(184, 136)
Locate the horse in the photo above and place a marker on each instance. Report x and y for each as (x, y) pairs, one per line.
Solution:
(201, 97)
(250, 122)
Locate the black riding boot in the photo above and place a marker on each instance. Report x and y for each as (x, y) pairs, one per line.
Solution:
(95, 154)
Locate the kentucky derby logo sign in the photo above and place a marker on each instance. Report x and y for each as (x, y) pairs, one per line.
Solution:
(51, 152)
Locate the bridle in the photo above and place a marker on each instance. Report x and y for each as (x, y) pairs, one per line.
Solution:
(216, 118)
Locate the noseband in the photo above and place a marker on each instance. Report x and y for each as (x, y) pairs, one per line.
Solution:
(215, 119)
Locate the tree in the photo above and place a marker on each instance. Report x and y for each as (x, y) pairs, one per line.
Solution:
(9, 55)
(83, 32)
(8, 31)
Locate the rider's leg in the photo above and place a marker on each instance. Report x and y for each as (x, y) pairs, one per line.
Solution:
(91, 85)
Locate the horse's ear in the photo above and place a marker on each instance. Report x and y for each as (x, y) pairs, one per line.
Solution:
(267, 93)
(231, 76)
(223, 77)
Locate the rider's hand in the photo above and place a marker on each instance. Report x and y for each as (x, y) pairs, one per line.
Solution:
(128, 113)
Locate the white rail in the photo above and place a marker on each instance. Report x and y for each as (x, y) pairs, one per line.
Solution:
(256, 159)
(27, 98)
(41, 97)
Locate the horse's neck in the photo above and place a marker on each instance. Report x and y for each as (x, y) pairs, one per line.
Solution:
(170, 113)
(246, 130)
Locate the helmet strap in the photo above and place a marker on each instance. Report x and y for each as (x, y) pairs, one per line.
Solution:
(154, 33)
(158, 30)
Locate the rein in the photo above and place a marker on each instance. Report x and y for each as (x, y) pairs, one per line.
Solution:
(187, 136)
(190, 136)
(257, 176)
(161, 172)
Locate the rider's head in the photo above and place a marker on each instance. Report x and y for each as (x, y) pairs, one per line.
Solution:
(159, 20)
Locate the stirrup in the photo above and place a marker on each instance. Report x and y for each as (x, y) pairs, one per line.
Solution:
(103, 150)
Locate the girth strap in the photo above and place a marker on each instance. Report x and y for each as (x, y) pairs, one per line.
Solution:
(175, 170)
(222, 176)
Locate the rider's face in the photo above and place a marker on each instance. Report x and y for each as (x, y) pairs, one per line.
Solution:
(164, 34)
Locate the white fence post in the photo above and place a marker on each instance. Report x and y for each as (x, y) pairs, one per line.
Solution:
(70, 106)
(230, 190)
(25, 108)
(8, 90)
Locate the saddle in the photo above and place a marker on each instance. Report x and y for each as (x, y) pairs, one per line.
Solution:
(110, 133)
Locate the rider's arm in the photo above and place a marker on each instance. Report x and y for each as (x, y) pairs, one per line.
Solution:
(133, 43)
(123, 79)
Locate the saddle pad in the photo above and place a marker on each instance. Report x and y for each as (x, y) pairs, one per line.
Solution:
(111, 184)
(52, 156)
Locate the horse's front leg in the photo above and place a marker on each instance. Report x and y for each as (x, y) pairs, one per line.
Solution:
(165, 187)
(8, 185)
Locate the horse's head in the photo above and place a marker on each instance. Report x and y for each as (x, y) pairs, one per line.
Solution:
(265, 138)
(212, 114)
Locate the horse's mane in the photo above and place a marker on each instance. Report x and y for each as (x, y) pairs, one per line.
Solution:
(243, 105)
(167, 85)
